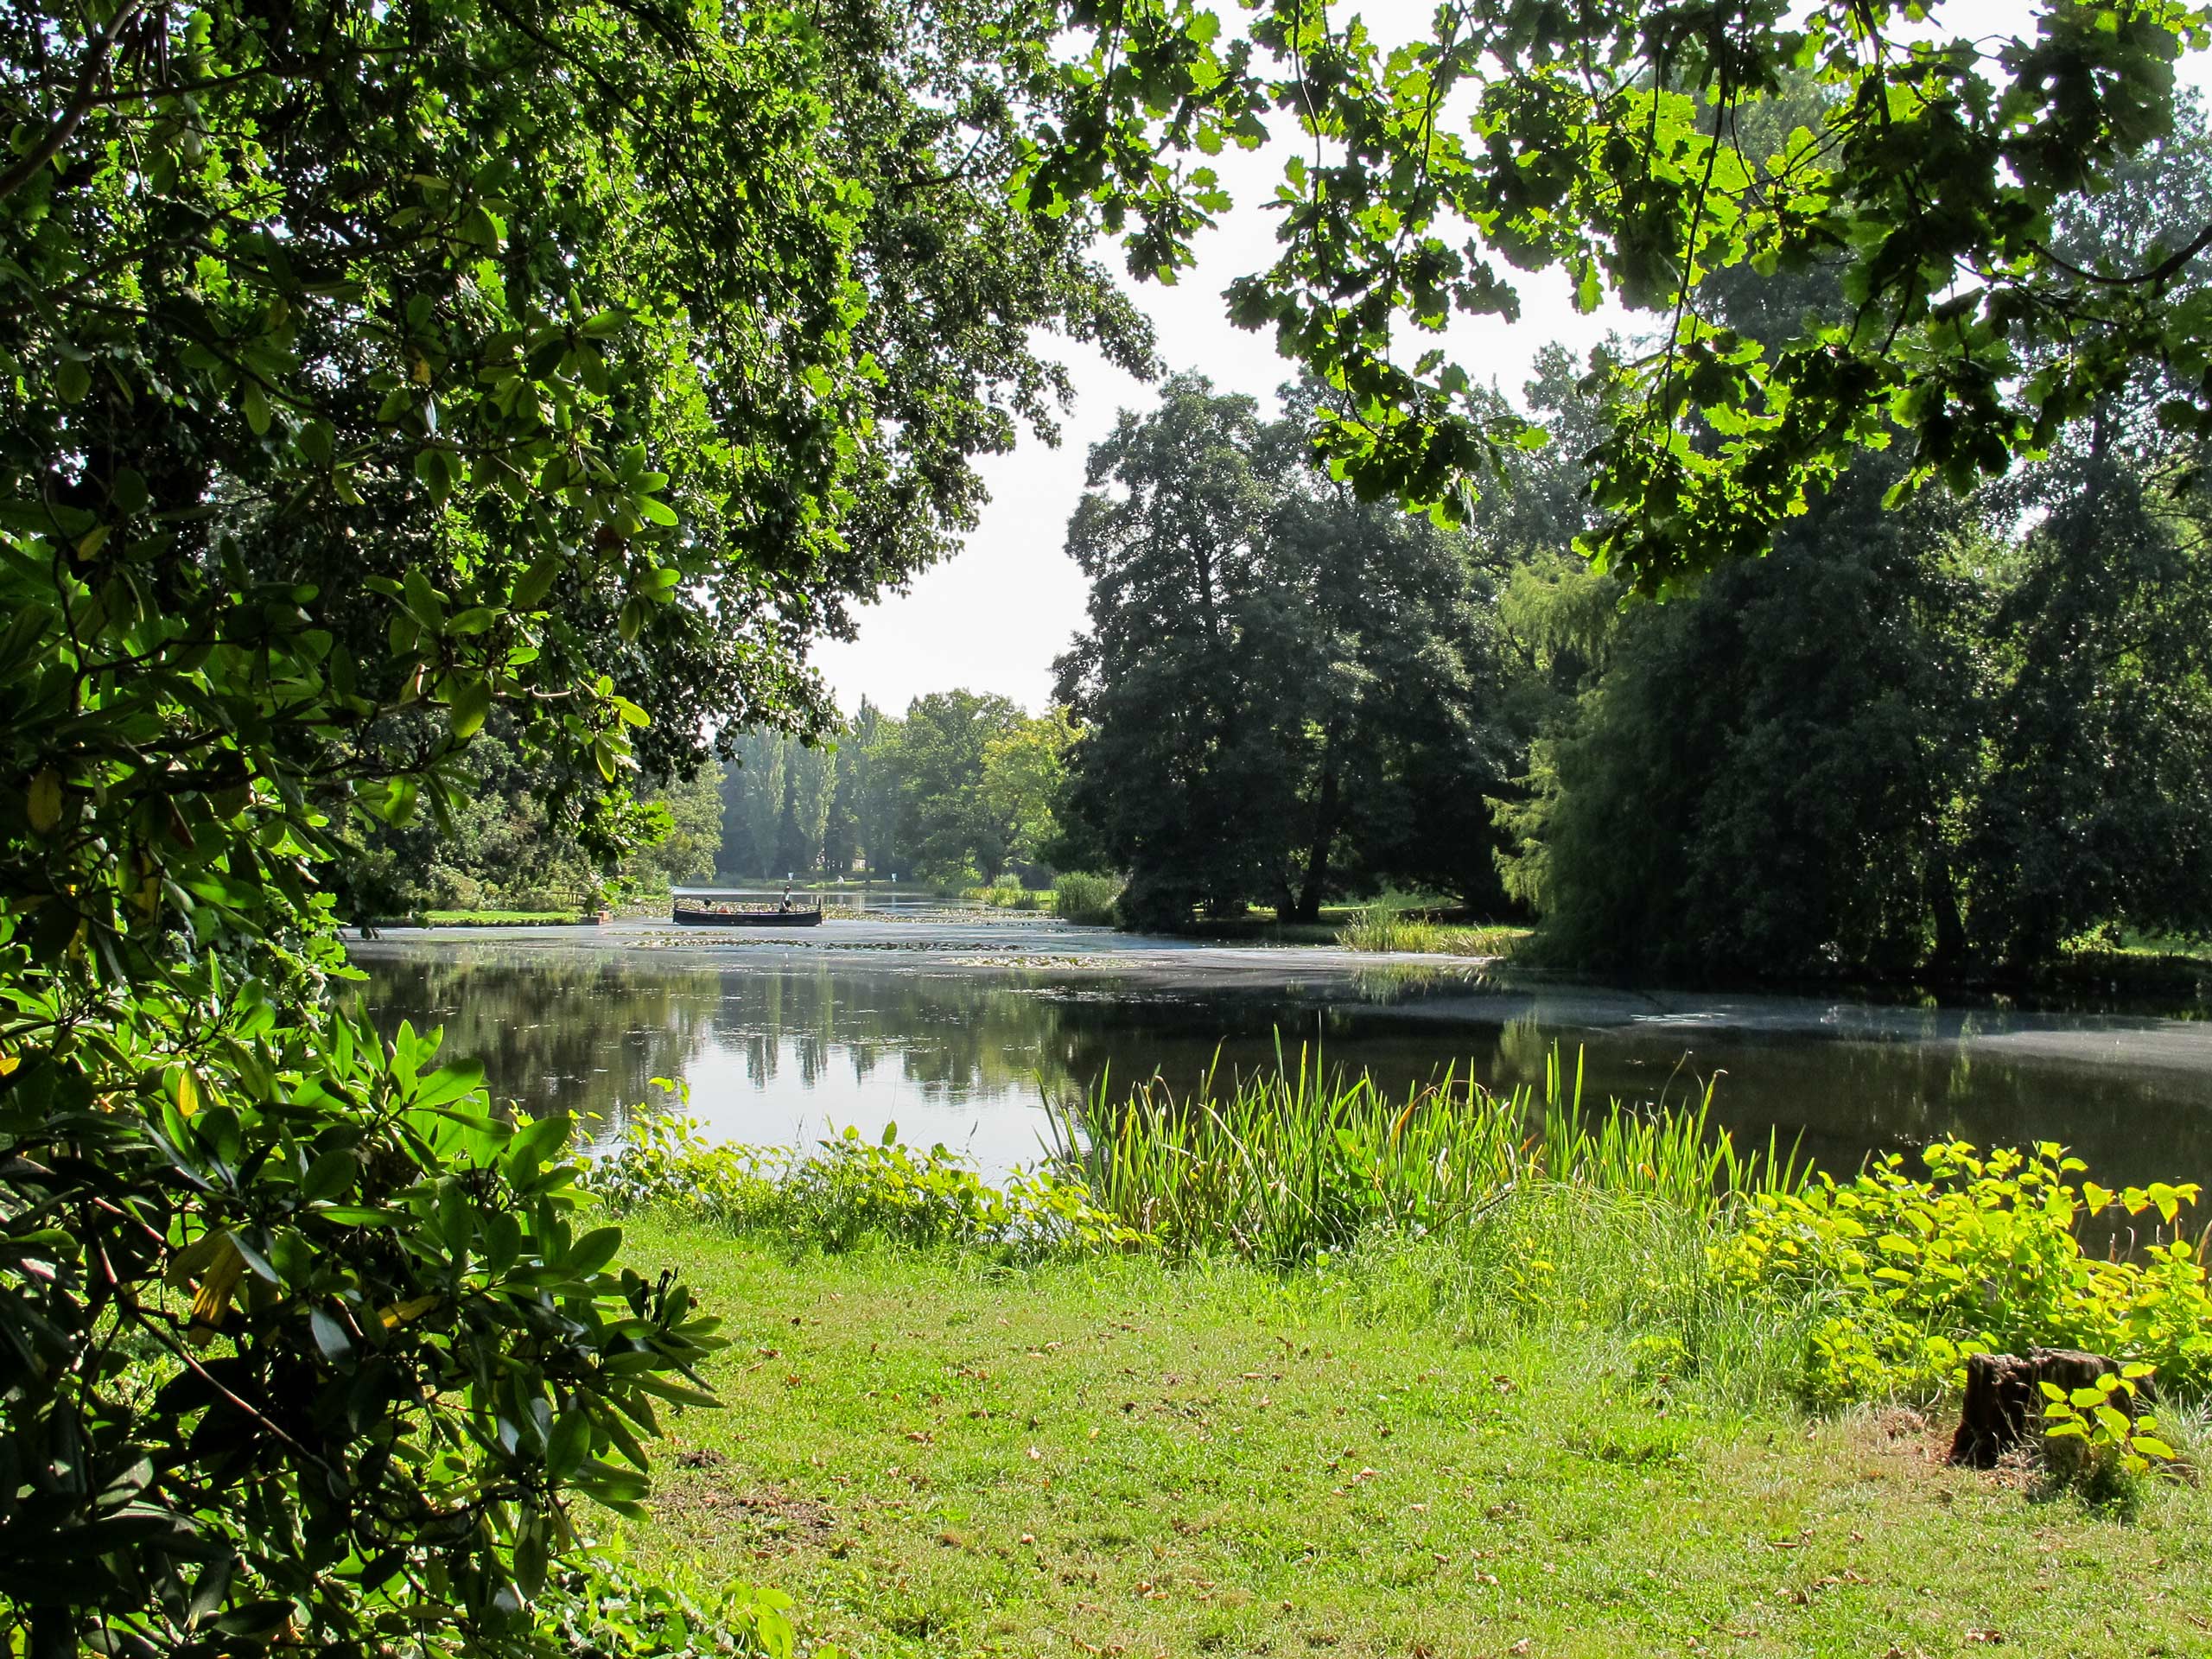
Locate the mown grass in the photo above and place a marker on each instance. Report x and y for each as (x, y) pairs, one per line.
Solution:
(1288, 1365)
(1380, 1454)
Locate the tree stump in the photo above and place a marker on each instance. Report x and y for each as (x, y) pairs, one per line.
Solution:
(2003, 1401)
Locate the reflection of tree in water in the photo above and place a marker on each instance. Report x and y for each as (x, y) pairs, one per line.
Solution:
(563, 1033)
(953, 1035)
(586, 1033)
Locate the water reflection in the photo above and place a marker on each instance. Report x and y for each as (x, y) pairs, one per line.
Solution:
(778, 1047)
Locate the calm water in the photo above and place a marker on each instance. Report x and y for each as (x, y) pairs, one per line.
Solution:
(955, 1034)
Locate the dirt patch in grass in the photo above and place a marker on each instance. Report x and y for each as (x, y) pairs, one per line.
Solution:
(766, 1520)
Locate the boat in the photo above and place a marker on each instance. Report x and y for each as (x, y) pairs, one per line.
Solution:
(690, 910)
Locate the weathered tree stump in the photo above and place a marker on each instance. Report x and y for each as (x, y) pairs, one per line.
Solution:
(2004, 1404)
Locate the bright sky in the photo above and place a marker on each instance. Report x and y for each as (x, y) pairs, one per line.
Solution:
(992, 617)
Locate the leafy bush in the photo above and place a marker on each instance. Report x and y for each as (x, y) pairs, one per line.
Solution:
(1985, 1255)
(1086, 897)
(666, 1158)
(338, 1260)
(2097, 1436)
(603, 1610)
(848, 1190)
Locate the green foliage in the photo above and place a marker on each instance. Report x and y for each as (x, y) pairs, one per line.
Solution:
(1005, 894)
(1635, 150)
(960, 787)
(1937, 739)
(336, 1258)
(950, 828)
(1086, 897)
(1983, 1255)
(1285, 693)
(372, 380)
(664, 1157)
(1382, 927)
(848, 1191)
(1789, 746)
(608, 1610)
(2095, 1438)
(1295, 1160)
(509, 842)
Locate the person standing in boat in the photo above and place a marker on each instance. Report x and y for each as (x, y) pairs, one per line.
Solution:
(785, 906)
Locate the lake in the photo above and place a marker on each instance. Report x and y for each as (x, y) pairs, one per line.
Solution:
(956, 1031)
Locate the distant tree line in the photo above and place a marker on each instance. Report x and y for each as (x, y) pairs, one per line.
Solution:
(960, 790)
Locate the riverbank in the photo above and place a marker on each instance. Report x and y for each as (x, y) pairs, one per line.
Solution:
(938, 1453)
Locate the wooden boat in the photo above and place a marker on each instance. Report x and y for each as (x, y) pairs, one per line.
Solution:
(706, 912)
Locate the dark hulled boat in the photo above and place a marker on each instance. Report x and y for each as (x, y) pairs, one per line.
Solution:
(690, 910)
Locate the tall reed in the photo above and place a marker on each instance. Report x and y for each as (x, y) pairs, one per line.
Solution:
(1298, 1158)
(1380, 928)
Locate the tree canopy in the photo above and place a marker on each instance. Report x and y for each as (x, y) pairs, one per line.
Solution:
(369, 369)
(1283, 692)
(1620, 144)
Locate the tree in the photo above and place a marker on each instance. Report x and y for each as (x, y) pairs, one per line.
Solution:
(1759, 782)
(1172, 780)
(947, 824)
(504, 845)
(1024, 770)
(2095, 809)
(368, 370)
(686, 842)
(754, 787)
(1285, 692)
(1609, 144)
(1918, 741)
(873, 787)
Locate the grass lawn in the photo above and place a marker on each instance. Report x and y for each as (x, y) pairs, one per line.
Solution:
(938, 1456)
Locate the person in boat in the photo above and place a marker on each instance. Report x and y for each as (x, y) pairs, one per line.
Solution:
(784, 907)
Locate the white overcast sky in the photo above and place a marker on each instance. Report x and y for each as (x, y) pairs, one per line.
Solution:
(993, 616)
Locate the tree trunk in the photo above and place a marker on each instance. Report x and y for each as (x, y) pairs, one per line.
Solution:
(2003, 1402)
(1324, 833)
(1950, 926)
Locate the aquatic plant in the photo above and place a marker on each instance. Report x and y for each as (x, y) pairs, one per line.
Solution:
(1281, 1163)
(1086, 897)
(1005, 894)
(1382, 928)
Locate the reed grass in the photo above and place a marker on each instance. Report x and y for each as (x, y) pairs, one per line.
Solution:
(1285, 1163)
(1380, 928)
(1086, 897)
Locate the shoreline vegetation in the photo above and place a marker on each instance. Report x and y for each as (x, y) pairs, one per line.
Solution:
(1288, 1364)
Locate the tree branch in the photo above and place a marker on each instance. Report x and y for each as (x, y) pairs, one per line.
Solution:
(80, 102)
